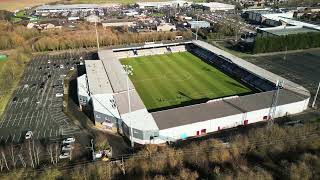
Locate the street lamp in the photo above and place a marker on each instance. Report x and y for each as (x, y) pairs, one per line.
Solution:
(129, 71)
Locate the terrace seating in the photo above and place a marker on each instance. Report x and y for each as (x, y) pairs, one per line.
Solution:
(227, 66)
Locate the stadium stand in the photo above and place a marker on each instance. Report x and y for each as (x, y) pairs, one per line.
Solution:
(228, 67)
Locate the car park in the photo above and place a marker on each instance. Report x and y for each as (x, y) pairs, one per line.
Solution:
(35, 108)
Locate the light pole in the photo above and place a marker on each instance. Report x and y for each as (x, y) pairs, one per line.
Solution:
(97, 35)
(315, 97)
(129, 71)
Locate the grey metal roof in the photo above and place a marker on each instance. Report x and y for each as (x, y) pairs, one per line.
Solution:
(98, 80)
(218, 109)
(67, 6)
(286, 31)
(116, 74)
(122, 101)
(192, 114)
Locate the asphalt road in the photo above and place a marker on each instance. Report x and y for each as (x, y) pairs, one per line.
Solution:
(34, 105)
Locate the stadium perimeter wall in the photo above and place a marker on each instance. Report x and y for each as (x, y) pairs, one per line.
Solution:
(184, 122)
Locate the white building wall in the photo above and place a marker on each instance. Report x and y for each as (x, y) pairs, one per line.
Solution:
(213, 125)
(256, 116)
(292, 108)
(210, 126)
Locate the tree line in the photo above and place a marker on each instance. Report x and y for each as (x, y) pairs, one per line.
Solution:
(262, 153)
(13, 36)
(288, 42)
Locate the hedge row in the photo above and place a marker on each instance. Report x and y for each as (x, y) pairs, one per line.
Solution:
(289, 42)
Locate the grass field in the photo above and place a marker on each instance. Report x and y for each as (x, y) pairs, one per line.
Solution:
(177, 79)
(12, 5)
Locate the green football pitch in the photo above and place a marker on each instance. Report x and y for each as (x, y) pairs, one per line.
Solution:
(177, 79)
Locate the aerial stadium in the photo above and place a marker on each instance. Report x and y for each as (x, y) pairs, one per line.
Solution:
(158, 93)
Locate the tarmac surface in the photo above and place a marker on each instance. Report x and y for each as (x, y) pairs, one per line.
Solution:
(35, 105)
(302, 68)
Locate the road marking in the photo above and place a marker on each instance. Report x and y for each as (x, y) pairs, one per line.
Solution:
(38, 134)
(13, 137)
(19, 137)
(50, 132)
(1, 138)
(44, 133)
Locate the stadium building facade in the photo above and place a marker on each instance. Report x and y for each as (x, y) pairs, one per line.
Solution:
(111, 90)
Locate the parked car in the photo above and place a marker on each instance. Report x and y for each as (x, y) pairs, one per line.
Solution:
(69, 140)
(59, 95)
(29, 135)
(64, 155)
(14, 99)
(67, 147)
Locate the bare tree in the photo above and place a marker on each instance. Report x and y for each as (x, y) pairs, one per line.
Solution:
(1, 164)
(57, 146)
(5, 160)
(22, 160)
(30, 154)
(51, 153)
(13, 159)
(37, 154)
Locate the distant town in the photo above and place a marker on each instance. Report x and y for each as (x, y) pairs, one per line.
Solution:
(160, 90)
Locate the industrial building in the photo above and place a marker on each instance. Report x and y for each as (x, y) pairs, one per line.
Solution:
(161, 4)
(118, 106)
(198, 24)
(216, 6)
(283, 30)
(67, 8)
(166, 27)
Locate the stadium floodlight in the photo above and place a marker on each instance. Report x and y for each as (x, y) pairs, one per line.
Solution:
(129, 71)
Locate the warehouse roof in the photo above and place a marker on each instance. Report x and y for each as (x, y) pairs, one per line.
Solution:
(98, 80)
(218, 109)
(67, 6)
(217, 6)
(283, 30)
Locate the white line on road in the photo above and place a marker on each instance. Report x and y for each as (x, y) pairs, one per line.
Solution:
(7, 139)
(13, 137)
